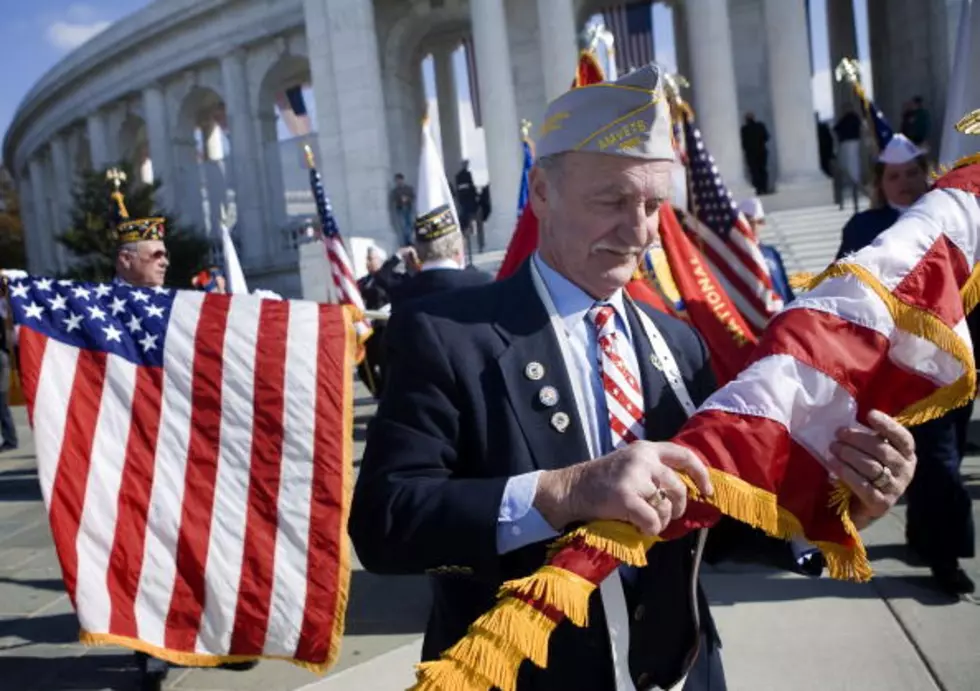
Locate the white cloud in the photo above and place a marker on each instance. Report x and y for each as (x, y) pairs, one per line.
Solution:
(67, 35)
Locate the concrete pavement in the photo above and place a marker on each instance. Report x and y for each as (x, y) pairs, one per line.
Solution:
(779, 631)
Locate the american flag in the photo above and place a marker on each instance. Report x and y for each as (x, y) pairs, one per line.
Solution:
(726, 238)
(632, 29)
(341, 269)
(194, 453)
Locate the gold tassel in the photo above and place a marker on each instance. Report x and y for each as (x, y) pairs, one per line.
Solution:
(970, 292)
(619, 540)
(448, 675)
(522, 625)
(565, 591)
(490, 656)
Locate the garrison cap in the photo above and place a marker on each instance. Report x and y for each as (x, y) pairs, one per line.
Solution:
(629, 117)
(435, 224)
(899, 150)
(140, 229)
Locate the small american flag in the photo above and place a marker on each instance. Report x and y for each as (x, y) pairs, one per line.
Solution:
(341, 270)
(632, 29)
(194, 455)
(725, 237)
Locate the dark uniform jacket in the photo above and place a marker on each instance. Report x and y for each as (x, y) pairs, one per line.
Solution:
(458, 418)
(434, 281)
(864, 227)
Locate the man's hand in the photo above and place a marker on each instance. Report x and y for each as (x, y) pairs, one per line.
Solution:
(877, 465)
(637, 484)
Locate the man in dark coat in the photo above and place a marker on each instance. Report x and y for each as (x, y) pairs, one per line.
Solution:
(468, 196)
(755, 141)
(939, 522)
(480, 451)
(441, 260)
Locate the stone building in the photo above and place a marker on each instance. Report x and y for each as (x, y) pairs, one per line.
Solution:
(186, 90)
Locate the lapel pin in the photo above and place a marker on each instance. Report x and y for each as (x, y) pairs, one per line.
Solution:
(560, 421)
(655, 361)
(548, 395)
(534, 371)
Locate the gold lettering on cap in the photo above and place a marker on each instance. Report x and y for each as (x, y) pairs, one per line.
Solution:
(553, 123)
(630, 130)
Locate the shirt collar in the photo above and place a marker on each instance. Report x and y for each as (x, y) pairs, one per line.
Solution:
(440, 264)
(571, 302)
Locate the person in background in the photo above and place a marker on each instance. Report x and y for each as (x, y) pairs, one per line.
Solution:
(374, 290)
(441, 260)
(939, 522)
(755, 146)
(916, 122)
(483, 215)
(755, 215)
(848, 132)
(402, 202)
(467, 196)
(825, 144)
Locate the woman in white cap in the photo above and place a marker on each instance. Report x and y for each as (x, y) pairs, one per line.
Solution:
(939, 522)
(901, 177)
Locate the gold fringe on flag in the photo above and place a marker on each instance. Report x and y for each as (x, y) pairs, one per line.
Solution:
(558, 588)
(522, 625)
(449, 675)
(619, 540)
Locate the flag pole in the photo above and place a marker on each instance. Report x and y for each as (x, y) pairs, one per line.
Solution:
(314, 178)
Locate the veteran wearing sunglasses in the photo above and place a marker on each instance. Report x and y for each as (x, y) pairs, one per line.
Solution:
(142, 258)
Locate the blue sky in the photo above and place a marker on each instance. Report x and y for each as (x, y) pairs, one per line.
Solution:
(35, 35)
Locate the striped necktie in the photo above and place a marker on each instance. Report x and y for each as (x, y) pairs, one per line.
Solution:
(624, 399)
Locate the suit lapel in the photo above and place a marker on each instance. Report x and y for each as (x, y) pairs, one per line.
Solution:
(531, 362)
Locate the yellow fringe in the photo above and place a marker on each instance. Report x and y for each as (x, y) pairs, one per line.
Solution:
(801, 280)
(619, 540)
(559, 588)
(925, 325)
(186, 659)
(970, 292)
(448, 675)
(520, 624)
(490, 656)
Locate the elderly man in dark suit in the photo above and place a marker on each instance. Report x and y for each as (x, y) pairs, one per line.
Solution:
(518, 409)
(441, 260)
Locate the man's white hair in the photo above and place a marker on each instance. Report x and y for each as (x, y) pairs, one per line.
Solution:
(382, 255)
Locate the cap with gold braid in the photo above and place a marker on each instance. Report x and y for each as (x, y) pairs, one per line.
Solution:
(436, 224)
(629, 117)
(131, 229)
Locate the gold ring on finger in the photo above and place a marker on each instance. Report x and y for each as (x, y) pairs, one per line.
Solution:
(883, 479)
(658, 497)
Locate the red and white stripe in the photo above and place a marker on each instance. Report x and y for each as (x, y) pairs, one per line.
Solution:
(344, 282)
(198, 507)
(837, 352)
(738, 263)
(624, 399)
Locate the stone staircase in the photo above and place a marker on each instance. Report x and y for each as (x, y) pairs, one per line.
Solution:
(808, 237)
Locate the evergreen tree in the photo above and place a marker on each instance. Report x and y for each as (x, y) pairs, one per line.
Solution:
(11, 228)
(92, 238)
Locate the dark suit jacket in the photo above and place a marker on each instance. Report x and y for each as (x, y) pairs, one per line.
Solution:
(458, 418)
(864, 227)
(435, 281)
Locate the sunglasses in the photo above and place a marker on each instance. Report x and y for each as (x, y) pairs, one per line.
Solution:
(158, 255)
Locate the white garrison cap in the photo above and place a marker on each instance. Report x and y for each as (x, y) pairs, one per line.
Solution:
(899, 150)
(629, 117)
(752, 208)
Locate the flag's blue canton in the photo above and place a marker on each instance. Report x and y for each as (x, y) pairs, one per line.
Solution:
(883, 131)
(712, 200)
(113, 318)
(323, 207)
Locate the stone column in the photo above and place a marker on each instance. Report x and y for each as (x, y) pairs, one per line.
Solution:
(343, 44)
(62, 175)
(682, 46)
(245, 160)
(559, 48)
(795, 128)
(98, 141)
(30, 225)
(452, 145)
(500, 124)
(44, 237)
(713, 81)
(161, 147)
(842, 36)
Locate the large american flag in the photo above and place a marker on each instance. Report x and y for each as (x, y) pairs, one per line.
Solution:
(726, 238)
(194, 453)
(632, 29)
(346, 291)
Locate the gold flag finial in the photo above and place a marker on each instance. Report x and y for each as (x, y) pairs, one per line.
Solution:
(525, 128)
(969, 123)
(308, 155)
(848, 70)
(116, 176)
